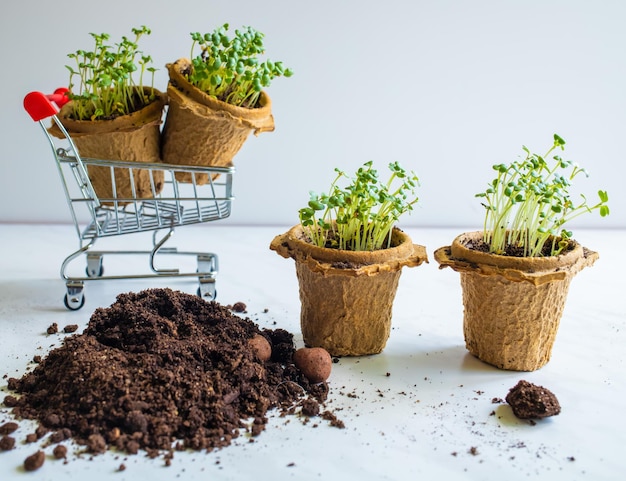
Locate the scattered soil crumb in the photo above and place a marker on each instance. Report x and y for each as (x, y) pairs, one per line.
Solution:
(239, 307)
(310, 407)
(334, 421)
(59, 451)
(70, 328)
(40, 432)
(96, 444)
(34, 461)
(53, 328)
(7, 443)
(8, 428)
(258, 426)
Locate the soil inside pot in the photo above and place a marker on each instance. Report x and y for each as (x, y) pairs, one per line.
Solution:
(160, 369)
(332, 239)
(137, 102)
(186, 71)
(512, 250)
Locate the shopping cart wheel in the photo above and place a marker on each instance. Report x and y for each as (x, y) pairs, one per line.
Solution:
(207, 291)
(74, 297)
(94, 265)
(97, 273)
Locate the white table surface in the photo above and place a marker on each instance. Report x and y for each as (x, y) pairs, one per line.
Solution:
(413, 412)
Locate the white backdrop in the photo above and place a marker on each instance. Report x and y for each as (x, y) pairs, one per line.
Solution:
(445, 87)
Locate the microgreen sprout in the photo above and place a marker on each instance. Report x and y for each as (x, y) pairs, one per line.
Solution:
(361, 215)
(106, 86)
(229, 69)
(528, 203)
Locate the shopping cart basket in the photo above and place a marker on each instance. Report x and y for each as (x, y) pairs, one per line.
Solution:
(164, 208)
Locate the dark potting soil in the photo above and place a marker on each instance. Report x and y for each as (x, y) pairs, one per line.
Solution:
(160, 367)
(136, 103)
(514, 250)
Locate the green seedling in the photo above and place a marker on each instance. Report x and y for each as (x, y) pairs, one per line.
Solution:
(529, 204)
(230, 69)
(102, 82)
(360, 216)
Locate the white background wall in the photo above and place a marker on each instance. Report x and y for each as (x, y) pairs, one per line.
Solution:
(446, 87)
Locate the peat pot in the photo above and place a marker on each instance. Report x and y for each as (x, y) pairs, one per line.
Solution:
(512, 305)
(202, 130)
(347, 296)
(134, 137)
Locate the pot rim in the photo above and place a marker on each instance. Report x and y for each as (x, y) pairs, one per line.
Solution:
(180, 83)
(401, 247)
(149, 115)
(537, 270)
(460, 251)
(293, 244)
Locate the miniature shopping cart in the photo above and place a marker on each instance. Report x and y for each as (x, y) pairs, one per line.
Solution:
(164, 208)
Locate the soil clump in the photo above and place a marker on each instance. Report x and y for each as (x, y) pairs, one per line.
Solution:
(529, 401)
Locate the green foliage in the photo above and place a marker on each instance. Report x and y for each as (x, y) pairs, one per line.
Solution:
(106, 87)
(229, 69)
(361, 215)
(528, 203)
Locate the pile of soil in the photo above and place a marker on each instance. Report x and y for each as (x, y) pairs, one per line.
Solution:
(161, 370)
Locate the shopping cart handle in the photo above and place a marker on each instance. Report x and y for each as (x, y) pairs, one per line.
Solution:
(40, 106)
